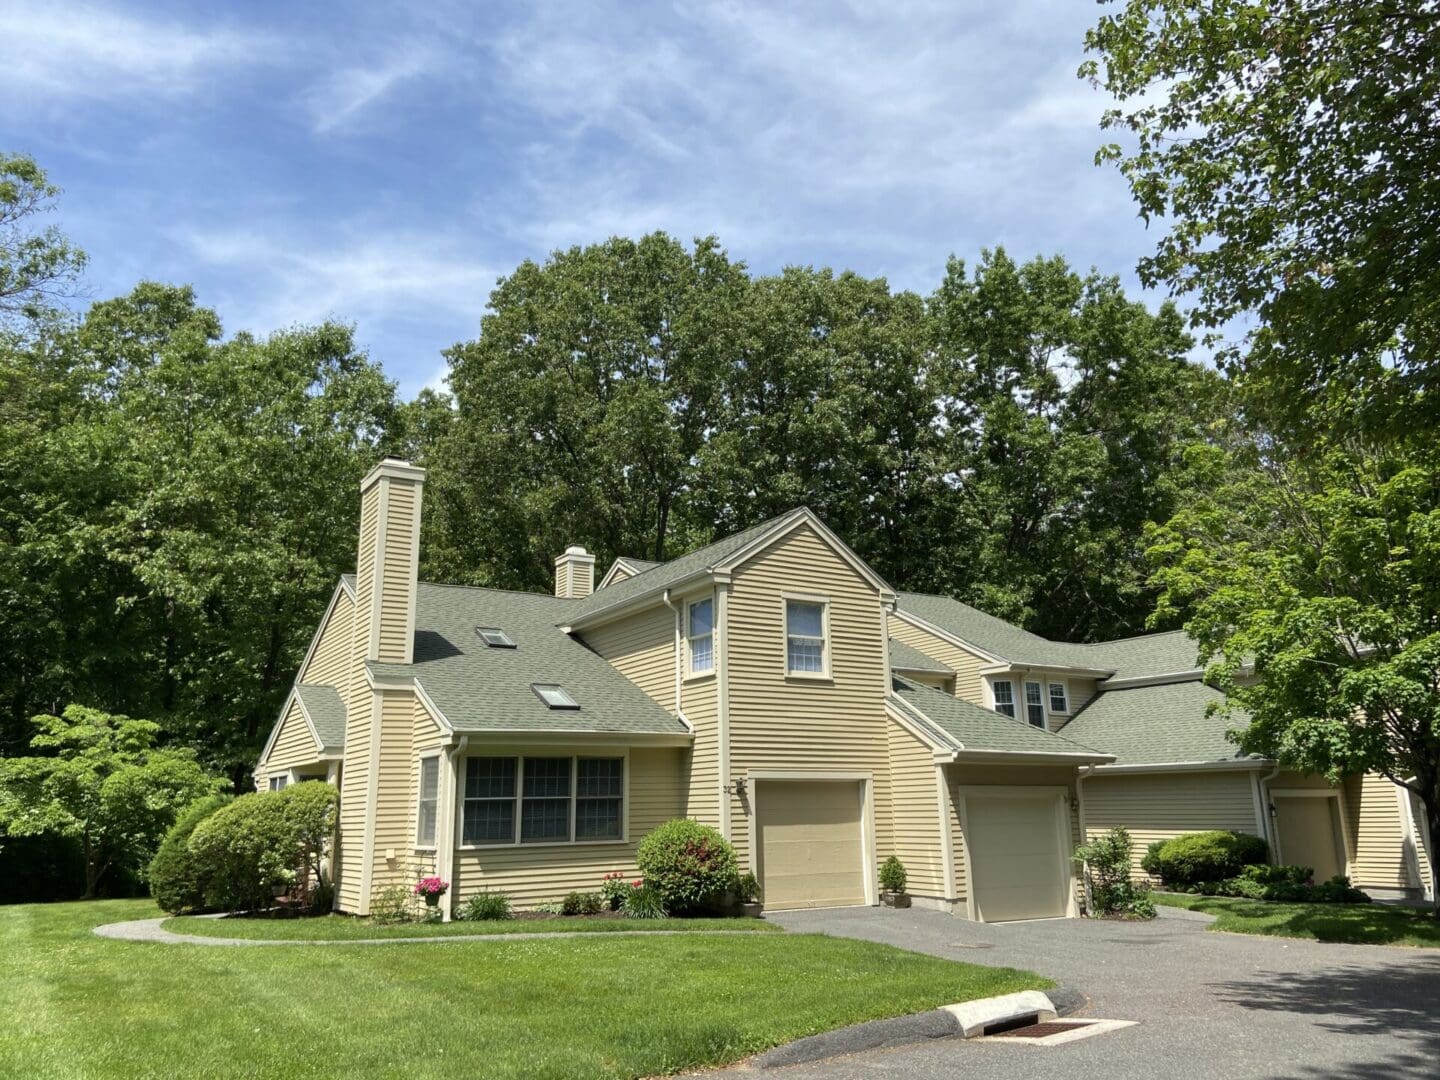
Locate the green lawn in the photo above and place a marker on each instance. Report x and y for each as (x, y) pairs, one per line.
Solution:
(1355, 924)
(347, 928)
(75, 1005)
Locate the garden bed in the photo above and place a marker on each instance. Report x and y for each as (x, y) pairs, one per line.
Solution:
(262, 927)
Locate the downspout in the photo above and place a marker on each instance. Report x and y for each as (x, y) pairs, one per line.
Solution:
(679, 662)
(1270, 834)
(1084, 774)
(445, 853)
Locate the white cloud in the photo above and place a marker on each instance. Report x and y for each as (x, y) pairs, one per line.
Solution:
(58, 49)
(336, 101)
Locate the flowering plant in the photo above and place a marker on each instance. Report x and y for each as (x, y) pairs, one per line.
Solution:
(613, 889)
(431, 886)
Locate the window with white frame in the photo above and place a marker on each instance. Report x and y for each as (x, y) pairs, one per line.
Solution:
(1003, 691)
(1034, 704)
(542, 800)
(805, 637)
(277, 783)
(1059, 699)
(700, 635)
(428, 802)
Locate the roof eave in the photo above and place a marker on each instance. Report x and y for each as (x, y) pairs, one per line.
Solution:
(1034, 757)
(1225, 765)
(626, 738)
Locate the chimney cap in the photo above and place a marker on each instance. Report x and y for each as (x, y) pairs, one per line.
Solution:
(395, 469)
(576, 549)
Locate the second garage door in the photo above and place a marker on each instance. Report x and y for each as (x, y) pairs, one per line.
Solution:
(1017, 864)
(808, 833)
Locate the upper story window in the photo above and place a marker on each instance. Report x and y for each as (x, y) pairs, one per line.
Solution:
(1004, 691)
(428, 801)
(1059, 699)
(554, 696)
(700, 636)
(1034, 704)
(805, 645)
(494, 637)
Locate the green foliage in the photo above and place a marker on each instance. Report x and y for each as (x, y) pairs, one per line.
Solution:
(892, 875)
(614, 888)
(102, 780)
(485, 905)
(581, 903)
(176, 882)
(747, 888)
(1285, 884)
(263, 841)
(690, 865)
(1107, 861)
(37, 266)
(1285, 145)
(1208, 856)
(393, 904)
(1150, 861)
(644, 902)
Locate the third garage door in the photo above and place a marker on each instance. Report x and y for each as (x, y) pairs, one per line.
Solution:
(809, 837)
(1017, 864)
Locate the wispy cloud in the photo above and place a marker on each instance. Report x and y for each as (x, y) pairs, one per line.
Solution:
(59, 49)
(335, 101)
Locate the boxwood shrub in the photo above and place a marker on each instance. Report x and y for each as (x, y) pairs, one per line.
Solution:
(1205, 856)
(691, 866)
(176, 882)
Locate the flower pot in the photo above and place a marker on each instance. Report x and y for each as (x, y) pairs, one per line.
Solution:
(752, 909)
(895, 899)
(432, 900)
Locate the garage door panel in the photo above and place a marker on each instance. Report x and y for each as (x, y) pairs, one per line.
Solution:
(1016, 857)
(1308, 834)
(809, 839)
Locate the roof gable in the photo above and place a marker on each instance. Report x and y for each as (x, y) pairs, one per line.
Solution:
(1168, 723)
(969, 728)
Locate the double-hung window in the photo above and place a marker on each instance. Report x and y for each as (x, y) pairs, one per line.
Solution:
(542, 800)
(1059, 700)
(428, 801)
(805, 638)
(277, 783)
(1004, 691)
(700, 636)
(1034, 704)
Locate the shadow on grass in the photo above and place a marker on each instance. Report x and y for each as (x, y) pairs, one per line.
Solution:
(1394, 1005)
(1361, 924)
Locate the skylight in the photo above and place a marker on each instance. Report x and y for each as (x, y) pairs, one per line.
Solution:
(494, 637)
(554, 696)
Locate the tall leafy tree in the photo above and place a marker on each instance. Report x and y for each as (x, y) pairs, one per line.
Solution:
(1292, 149)
(38, 265)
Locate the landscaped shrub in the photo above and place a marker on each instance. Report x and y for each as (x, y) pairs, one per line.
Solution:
(690, 865)
(748, 888)
(1107, 875)
(892, 875)
(175, 880)
(1284, 884)
(263, 841)
(643, 902)
(581, 903)
(1150, 862)
(1208, 856)
(486, 905)
(613, 888)
(394, 904)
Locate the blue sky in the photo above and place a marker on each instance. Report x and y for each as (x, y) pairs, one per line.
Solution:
(384, 166)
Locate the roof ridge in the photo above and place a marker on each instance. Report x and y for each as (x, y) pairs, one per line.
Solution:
(1132, 637)
(493, 589)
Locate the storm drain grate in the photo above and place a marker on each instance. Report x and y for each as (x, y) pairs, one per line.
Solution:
(1038, 1031)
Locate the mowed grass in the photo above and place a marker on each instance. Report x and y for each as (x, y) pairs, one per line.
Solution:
(348, 928)
(76, 1005)
(1353, 924)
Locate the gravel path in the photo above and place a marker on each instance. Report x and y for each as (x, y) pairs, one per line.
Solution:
(153, 930)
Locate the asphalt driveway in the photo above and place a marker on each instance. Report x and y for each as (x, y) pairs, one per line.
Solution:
(1209, 1004)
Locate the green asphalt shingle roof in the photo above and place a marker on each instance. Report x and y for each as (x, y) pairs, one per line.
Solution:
(485, 690)
(326, 711)
(969, 727)
(1156, 725)
(908, 658)
(1151, 654)
(676, 570)
(993, 635)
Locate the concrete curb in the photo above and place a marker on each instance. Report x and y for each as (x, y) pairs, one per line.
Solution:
(941, 1023)
(152, 931)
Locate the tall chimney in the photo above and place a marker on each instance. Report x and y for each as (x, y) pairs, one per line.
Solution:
(389, 560)
(574, 573)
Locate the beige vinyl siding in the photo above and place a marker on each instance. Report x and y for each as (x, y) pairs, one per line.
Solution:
(1377, 834)
(944, 683)
(562, 578)
(1081, 691)
(804, 724)
(294, 746)
(406, 731)
(532, 875)
(401, 523)
(917, 838)
(1159, 806)
(330, 664)
(618, 574)
(967, 665)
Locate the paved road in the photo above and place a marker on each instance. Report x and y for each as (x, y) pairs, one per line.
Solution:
(1210, 1005)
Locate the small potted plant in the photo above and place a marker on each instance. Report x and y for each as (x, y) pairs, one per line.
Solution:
(892, 884)
(747, 890)
(431, 889)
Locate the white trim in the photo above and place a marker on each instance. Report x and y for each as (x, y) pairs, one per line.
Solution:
(866, 779)
(372, 802)
(341, 589)
(280, 722)
(445, 824)
(1064, 684)
(678, 609)
(437, 753)
(1061, 795)
(945, 635)
(1026, 682)
(1416, 856)
(1260, 811)
(947, 836)
(691, 675)
(1031, 756)
(722, 706)
(395, 468)
(822, 601)
(899, 709)
(520, 754)
(1255, 764)
(1193, 675)
(988, 682)
(413, 577)
(436, 716)
(619, 562)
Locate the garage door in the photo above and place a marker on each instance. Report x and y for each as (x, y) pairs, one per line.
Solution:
(808, 834)
(1308, 831)
(1017, 867)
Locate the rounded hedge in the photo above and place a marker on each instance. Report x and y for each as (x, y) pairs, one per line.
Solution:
(1205, 856)
(690, 865)
(175, 880)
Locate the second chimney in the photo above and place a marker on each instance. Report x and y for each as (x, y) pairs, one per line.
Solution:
(574, 573)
